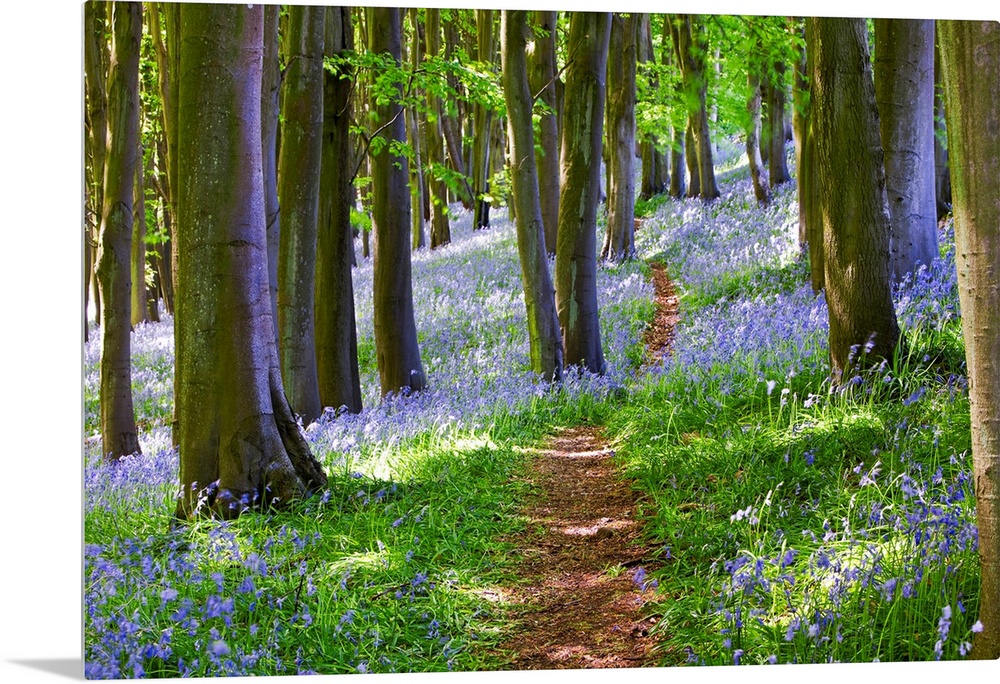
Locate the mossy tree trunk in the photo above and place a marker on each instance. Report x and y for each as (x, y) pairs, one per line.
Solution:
(542, 81)
(970, 57)
(619, 237)
(863, 327)
(118, 428)
(437, 189)
(240, 444)
(904, 91)
(336, 330)
(138, 295)
(576, 248)
(810, 219)
(539, 297)
(397, 351)
(299, 161)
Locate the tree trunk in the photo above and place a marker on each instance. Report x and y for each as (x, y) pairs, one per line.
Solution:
(690, 49)
(808, 187)
(655, 166)
(397, 351)
(270, 114)
(777, 165)
(417, 189)
(619, 239)
(942, 172)
(95, 70)
(138, 294)
(576, 249)
(164, 245)
(451, 125)
(970, 56)
(542, 81)
(539, 298)
(863, 327)
(691, 159)
(800, 126)
(678, 171)
(437, 188)
(904, 91)
(239, 442)
(118, 429)
(482, 121)
(761, 189)
(336, 331)
(299, 163)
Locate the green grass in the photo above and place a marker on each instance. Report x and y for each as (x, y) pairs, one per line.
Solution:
(746, 476)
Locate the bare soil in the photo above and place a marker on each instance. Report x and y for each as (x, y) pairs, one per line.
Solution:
(580, 601)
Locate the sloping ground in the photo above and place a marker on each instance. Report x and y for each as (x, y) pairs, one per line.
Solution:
(581, 602)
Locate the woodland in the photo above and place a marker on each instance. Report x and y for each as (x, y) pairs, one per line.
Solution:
(429, 339)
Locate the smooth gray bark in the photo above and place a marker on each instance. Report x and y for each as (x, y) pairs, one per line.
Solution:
(904, 91)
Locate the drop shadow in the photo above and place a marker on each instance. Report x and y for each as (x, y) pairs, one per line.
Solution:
(70, 668)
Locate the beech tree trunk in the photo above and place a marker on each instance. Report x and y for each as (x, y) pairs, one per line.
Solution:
(691, 159)
(810, 218)
(164, 246)
(483, 122)
(397, 352)
(299, 163)
(336, 331)
(655, 165)
(776, 163)
(95, 71)
(451, 124)
(576, 249)
(619, 238)
(761, 190)
(437, 188)
(417, 189)
(863, 327)
(270, 116)
(539, 296)
(138, 296)
(904, 91)
(800, 127)
(542, 81)
(970, 57)
(118, 429)
(239, 442)
(690, 49)
(942, 173)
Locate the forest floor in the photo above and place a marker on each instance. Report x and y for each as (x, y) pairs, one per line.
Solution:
(580, 604)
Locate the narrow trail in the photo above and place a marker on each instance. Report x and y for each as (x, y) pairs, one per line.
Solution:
(580, 604)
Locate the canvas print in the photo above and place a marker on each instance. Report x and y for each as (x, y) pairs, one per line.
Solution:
(437, 339)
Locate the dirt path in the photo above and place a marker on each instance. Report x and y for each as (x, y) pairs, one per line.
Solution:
(581, 602)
